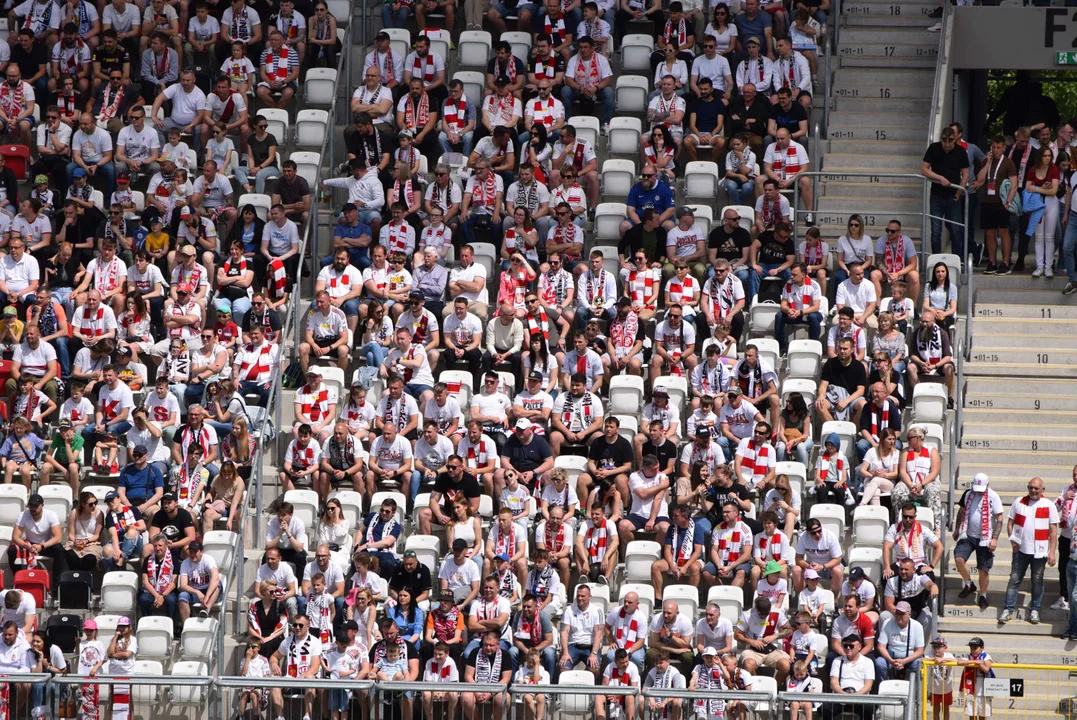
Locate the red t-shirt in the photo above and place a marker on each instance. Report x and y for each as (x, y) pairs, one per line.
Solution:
(226, 331)
(1052, 175)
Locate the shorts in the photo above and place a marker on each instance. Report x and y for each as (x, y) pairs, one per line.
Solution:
(416, 389)
(745, 568)
(503, 10)
(770, 660)
(985, 559)
(638, 521)
(994, 216)
(945, 700)
(294, 85)
(326, 341)
(804, 93)
(4, 126)
(570, 265)
(774, 8)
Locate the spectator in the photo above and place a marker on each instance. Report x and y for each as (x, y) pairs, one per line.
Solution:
(976, 668)
(596, 544)
(302, 656)
(737, 419)
(141, 484)
(288, 533)
(731, 549)
(158, 595)
(1032, 527)
(852, 674)
(842, 386)
(911, 539)
(995, 217)
(531, 630)
(487, 664)
(37, 532)
(946, 164)
(940, 296)
(125, 526)
(879, 414)
(761, 629)
(917, 589)
(919, 472)
(177, 525)
(818, 549)
(669, 632)
(901, 645)
(978, 527)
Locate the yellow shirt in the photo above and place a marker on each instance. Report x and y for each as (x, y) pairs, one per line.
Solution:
(11, 328)
(156, 242)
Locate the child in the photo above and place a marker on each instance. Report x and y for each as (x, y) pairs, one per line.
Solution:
(31, 403)
(831, 475)
(664, 677)
(812, 599)
(80, 191)
(622, 672)
(342, 665)
(507, 583)
(220, 147)
(64, 455)
(772, 585)
(123, 194)
(976, 667)
(106, 455)
(726, 343)
(239, 69)
(44, 195)
(188, 480)
(802, 645)
(77, 409)
(177, 150)
(544, 583)
(226, 330)
(359, 414)
(182, 188)
(11, 329)
(799, 681)
(814, 253)
(516, 498)
(392, 666)
(941, 679)
(440, 669)
(21, 452)
(255, 665)
(802, 34)
(532, 673)
(595, 27)
(436, 235)
(320, 610)
(157, 240)
(406, 152)
(899, 306)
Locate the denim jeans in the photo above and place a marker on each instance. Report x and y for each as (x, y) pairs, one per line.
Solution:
(1069, 248)
(1071, 579)
(146, 608)
(247, 387)
(468, 227)
(104, 170)
(1019, 566)
(605, 96)
(756, 279)
(239, 307)
(60, 345)
(374, 353)
(802, 451)
(738, 193)
(945, 207)
(260, 177)
(390, 19)
(813, 320)
(468, 142)
(128, 548)
(116, 428)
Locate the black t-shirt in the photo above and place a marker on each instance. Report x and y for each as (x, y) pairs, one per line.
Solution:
(559, 63)
(772, 251)
(719, 496)
(665, 452)
(270, 315)
(789, 119)
(294, 191)
(598, 344)
(260, 148)
(111, 60)
(730, 245)
(529, 456)
(468, 487)
(517, 62)
(609, 455)
(63, 275)
(948, 164)
(30, 62)
(371, 147)
(707, 114)
(417, 582)
(173, 529)
(635, 239)
(752, 119)
(847, 376)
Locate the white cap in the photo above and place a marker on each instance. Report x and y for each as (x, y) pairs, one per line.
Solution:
(710, 651)
(979, 482)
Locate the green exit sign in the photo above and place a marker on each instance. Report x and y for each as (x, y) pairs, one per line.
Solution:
(1066, 58)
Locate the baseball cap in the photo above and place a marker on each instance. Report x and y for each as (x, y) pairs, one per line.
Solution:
(752, 39)
(939, 640)
(79, 172)
(734, 390)
(980, 482)
(123, 621)
(534, 376)
(415, 295)
(501, 81)
(710, 651)
(857, 573)
(90, 624)
(40, 179)
(405, 133)
(811, 574)
(10, 311)
(314, 370)
(188, 249)
(168, 497)
(140, 450)
(126, 351)
(110, 496)
(660, 390)
(813, 523)
(446, 595)
(851, 638)
(224, 309)
(459, 544)
(523, 424)
(65, 423)
(35, 500)
(684, 211)
(185, 211)
(184, 287)
(195, 546)
(624, 302)
(502, 557)
(382, 36)
(976, 642)
(123, 177)
(903, 608)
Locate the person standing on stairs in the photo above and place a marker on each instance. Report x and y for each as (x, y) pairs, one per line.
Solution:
(978, 526)
(945, 164)
(995, 216)
(1067, 519)
(1033, 531)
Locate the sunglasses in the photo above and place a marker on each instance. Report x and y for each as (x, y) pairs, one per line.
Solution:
(647, 175)
(555, 263)
(708, 47)
(262, 127)
(454, 467)
(674, 317)
(890, 231)
(52, 117)
(531, 301)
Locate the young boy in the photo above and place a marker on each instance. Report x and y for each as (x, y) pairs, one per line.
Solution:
(64, 454)
(832, 474)
(342, 665)
(664, 676)
(440, 669)
(799, 681)
(157, 240)
(44, 195)
(392, 666)
(255, 665)
(77, 409)
(621, 672)
(899, 306)
(544, 583)
(802, 645)
(227, 331)
(106, 455)
(532, 673)
(975, 668)
(123, 195)
(941, 679)
(320, 606)
(11, 330)
(772, 585)
(177, 149)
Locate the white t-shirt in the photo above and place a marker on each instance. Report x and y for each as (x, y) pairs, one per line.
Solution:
(36, 362)
(820, 551)
(199, 573)
(855, 296)
(126, 666)
(581, 624)
(283, 575)
(204, 32)
(216, 191)
(681, 625)
(494, 405)
(112, 402)
(138, 145)
(852, 674)
(390, 456)
(471, 273)
(671, 337)
(716, 637)
(93, 146)
(741, 420)
(686, 241)
(640, 506)
(462, 575)
(186, 105)
(911, 545)
(27, 606)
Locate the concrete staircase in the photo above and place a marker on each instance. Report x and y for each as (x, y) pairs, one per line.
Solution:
(1020, 403)
(879, 105)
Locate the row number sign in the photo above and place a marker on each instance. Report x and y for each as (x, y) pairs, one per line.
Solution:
(1004, 687)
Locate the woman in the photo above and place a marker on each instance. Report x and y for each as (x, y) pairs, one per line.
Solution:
(51, 318)
(661, 152)
(514, 284)
(235, 279)
(882, 370)
(261, 157)
(794, 430)
(854, 246)
(267, 619)
(408, 617)
(918, 473)
(21, 451)
(889, 340)
(224, 499)
(569, 191)
(740, 171)
(607, 496)
(134, 326)
(84, 524)
(363, 611)
(239, 447)
(691, 493)
(670, 65)
(322, 43)
(522, 237)
(941, 296)
(467, 526)
(335, 533)
(722, 30)
(50, 659)
(879, 471)
(815, 254)
(247, 230)
(408, 190)
(1042, 178)
(216, 406)
(537, 359)
(377, 335)
(538, 151)
(783, 502)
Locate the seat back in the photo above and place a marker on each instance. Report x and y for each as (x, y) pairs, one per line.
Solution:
(197, 640)
(12, 503)
(473, 48)
(320, 86)
(305, 503)
(310, 127)
(831, 516)
(64, 631)
(119, 591)
(624, 135)
(154, 636)
(617, 177)
(579, 705)
(626, 394)
(636, 52)
(804, 359)
(75, 590)
(730, 601)
(35, 582)
(870, 523)
(608, 218)
(631, 92)
(701, 179)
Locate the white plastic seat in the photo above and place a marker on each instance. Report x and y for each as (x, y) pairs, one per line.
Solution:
(600, 596)
(107, 622)
(222, 545)
(58, 498)
(277, 120)
(746, 213)
(628, 428)
(146, 693)
(154, 635)
(630, 93)
(198, 638)
(587, 128)
(952, 262)
(305, 503)
(677, 387)
(188, 694)
(639, 556)
(399, 498)
(768, 350)
(486, 508)
(421, 500)
(99, 200)
(260, 201)
(320, 86)
(925, 517)
(310, 127)
(486, 255)
(333, 376)
(804, 359)
(574, 465)
(351, 505)
(869, 558)
(473, 82)
(618, 177)
(644, 591)
(828, 605)
(626, 394)
(636, 50)
(307, 165)
(610, 259)
(900, 688)
(769, 685)
(119, 591)
(624, 135)
(459, 384)
(686, 597)
(933, 436)
(701, 179)
(506, 384)
(521, 46)
(846, 432)
(399, 40)
(12, 503)
(832, 517)
(870, 523)
(797, 474)
(730, 601)
(577, 706)
(807, 388)
(704, 218)
(608, 219)
(473, 48)
(427, 549)
(139, 198)
(929, 401)
(341, 10)
(5, 543)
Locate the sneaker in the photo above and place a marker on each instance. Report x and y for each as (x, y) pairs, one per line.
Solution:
(991, 269)
(1049, 272)
(950, 404)
(1004, 269)
(1037, 273)
(1004, 617)
(1034, 617)
(935, 28)
(809, 218)
(203, 613)
(605, 128)
(1068, 636)
(982, 602)
(603, 580)
(935, 14)
(1061, 604)
(969, 589)
(591, 214)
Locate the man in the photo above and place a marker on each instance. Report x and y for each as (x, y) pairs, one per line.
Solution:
(771, 207)
(852, 674)
(801, 300)
(226, 106)
(624, 630)
(852, 617)
(282, 574)
(330, 572)
(390, 67)
(507, 543)
(842, 385)
(596, 292)
(459, 575)
(380, 533)
(931, 354)
(177, 526)
(456, 482)
(545, 109)
(915, 588)
(326, 333)
(748, 115)
(706, 116)
(899, 261)
(373, 98)
(91, 152)
(995, 217)
(114, 405)
(342, 459)
(784, 162)
(288, 534)
(1032, 527)
(685, 243)
(391, 461)
(596, 546)
(589, 78)
(977, 529)
(566, 239)
(487, 664)
(731, 549)
(900, 645)
(457, 122)
(772, 253)
(531, 629)
(528, 193)
(682, 553)
(754, 461)
(649, 509)
(581, 633)
(527, 454)
(732, 243)
(240, 23)
(736, 420)
(946, 164)
(911, 540)
(411, 574)
(482, 200)
(141, 484)
(490, 613)
(755, 68)
(820, 550)
(344, 284)
(784, 113)
(256, 364)
(429, 67)
(626, 337)
(416, 116)
(714, 632)
(761, 629)
(671, 632)
(504, 340)
(577, 415)
(159, 581)
(792, 73)
(34, 359)
(188, 108)
(299, 656)
(160, 66)
(674, 346)
(138, 147)
(878, 414)
(17, 106)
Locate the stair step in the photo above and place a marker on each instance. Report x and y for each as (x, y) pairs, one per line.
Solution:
(838, 216)
(885, 78)
(1025, 328)
(881, 5)
(978, 626)
(1020, 282)
(1048, 389)
(901, 37)
(860, 162)
(879, 90)
(1067, 417)
(881, 206)
(1005, 308)
(884, 191)
(875, 119)
(1044, 354)
(1027, 650)
(1025, 371)
(890, 148)
(1043, 343)
(875, 133)
(978, 436)
(903, 20)
(1031, 295)
(917, 106)
(926, 62)
(1044, 464)
(973, 612)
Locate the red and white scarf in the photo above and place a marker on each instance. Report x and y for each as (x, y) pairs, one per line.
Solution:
(824, 462)
(627, 632)
(772, 546)
(595, 540)
(485, 193)
(505, 542)
(416, 119)
(159, 572)
(278, 278)
(555, 541)
(1065, 509)
(187, 479)
(557, 28)
(389, 68)
(398, 236)
(801, 296)
(985, 516)
(539, 325)
(788, 165)
(642, 287)
(277, 64)
(93, 326)
(682, 32)
(546, 66)
(771, 211)
(893, 258)
(755, 460)
(256, 369)
(910, 543)
(455, 113)
(729, 541)
(542, 110)
(12, 101)
(623, 333)
(105, 276)
(426, 68)
(588, 72)
(1038, 517)
(879, 419)
(314, 405)
(918, 465)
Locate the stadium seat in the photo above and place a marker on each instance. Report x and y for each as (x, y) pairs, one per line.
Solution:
(929, 402)
(644, 591)
(305, 503)
(119, 592)
(587, 128)
(769, 685)
(222, 546)
(925, 517)
(701, 179)
(797, 474)
(146, 693)
(139, 198)
(807, 388)
(334, 378)
(198, 638)
(869, 558)
(341, 10)
(831, 516)
(351, 504)
(307, 166)
(746, 213)
(64, 631)
(608, 219)
(804, 359)
(427, 549)
(189, 694)
(686, 597)
(320, 86)
(630, 93)
(17, 157)
(12, 503)
(35, 582)
(600, 596)
(952, 262)
(576, 706)
(768, 350)
(474, 48)
(74, 590)
(870, 523)
(629, 426)
(474, 82)
(399, 40)
(277, 120)
(574, 465)
(311, 127)
(846, 432)
(624, 136)
(704, 217)
(487, 256)
(260, 201)
(639, 556)
(636, 50)
(899, 688)
(729, 599)
(154, 635)
(626, 395)
(933, 436)
(99, 200)
(521, 45)
(618, 176)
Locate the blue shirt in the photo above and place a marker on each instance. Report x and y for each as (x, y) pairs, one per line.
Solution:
(660, 197)
(753, 28)
(343, 230)
(140, 484)
(380, 527)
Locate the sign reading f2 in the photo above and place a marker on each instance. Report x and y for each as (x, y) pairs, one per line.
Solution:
(1055, 22)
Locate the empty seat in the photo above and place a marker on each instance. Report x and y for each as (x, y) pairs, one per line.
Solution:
(146, 693)
(310, 127)
(473, 48)
(487, 256)
(618, 177)
(221, 545)
(701, 179)
(636, 49)
(870, 523)
(626, 394)
(624, 135)
(399, 40)
(74, 591)
(899, 688)
(587, 128)
(804, 359)
(119, 592)
(154, 635)
(639, 556)
(630, 93)
(189, 693)
(12, 503)
(578, 706)
(608, 219)
(320, 86)
(761, 317)
(929, 401)
(198, 638)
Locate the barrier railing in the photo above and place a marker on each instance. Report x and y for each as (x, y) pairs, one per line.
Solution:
(1023, 690)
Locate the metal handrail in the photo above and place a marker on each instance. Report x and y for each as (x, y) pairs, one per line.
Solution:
(299, 683)
(941, 65)
(745, 695)
(835, 699)
(163, 680)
